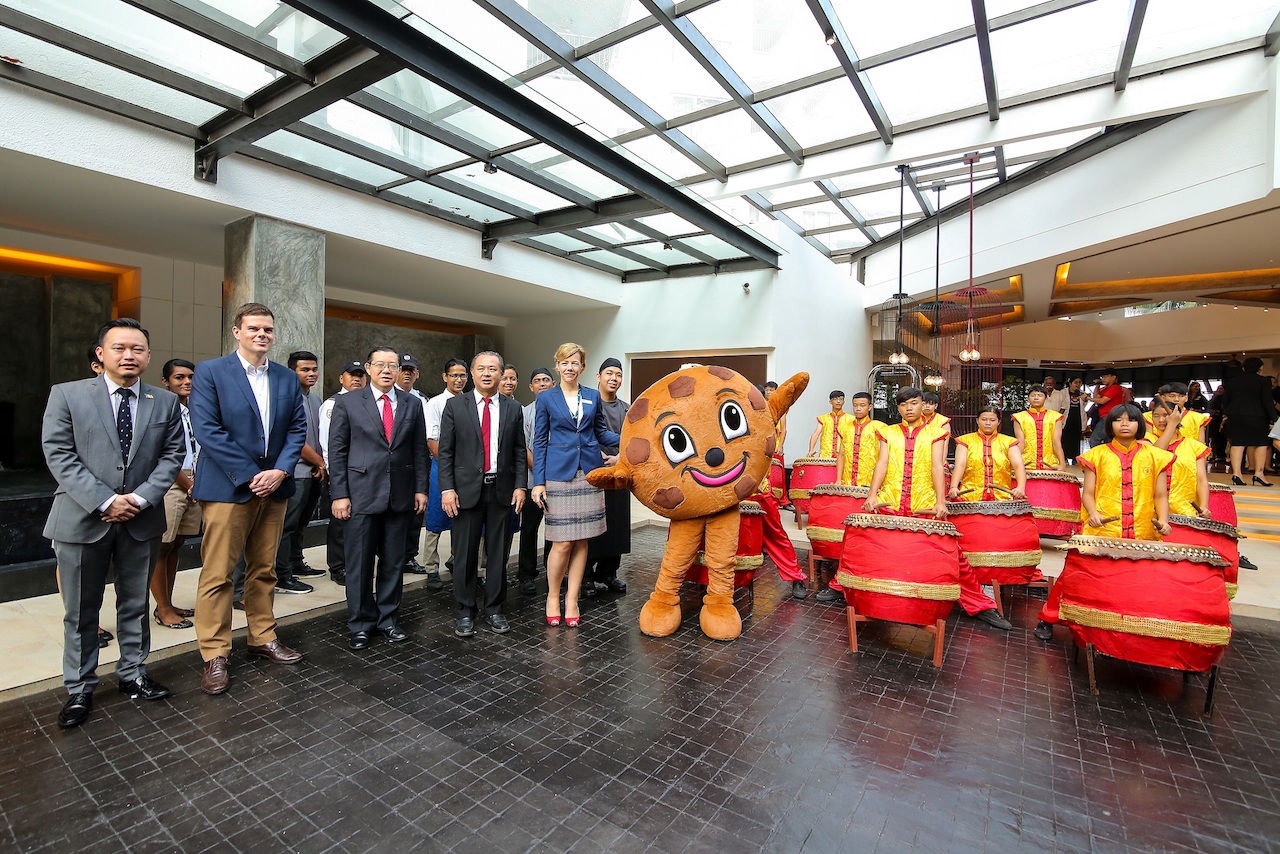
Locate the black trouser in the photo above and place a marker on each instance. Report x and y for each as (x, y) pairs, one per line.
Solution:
(297, 516)
(414, 541)
(374, 604)
(530, 522)
(488, 518)
(335, 541)
(602, 570)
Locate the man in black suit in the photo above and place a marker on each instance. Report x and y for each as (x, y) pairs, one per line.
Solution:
(482, 477)
(378, 474)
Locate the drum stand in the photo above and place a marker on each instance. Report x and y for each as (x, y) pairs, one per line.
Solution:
(815, 570)
(1093, 680)
(1045, 584)
(938, 630)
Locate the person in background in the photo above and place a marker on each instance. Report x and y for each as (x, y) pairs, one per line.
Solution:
(531, 515)
(182, 515)
(780, 440)
(604, 553)
(1190, 422)
(510, 381)
(308, 475)
(455, 382)
(825, 441)
(95, 364)
(1073, 420)
(859, 443)
(1056, 399)
(1215, 436)
(409, 374)
(352, 378)
(930, 403)
(1249, 410)
(1038, 431)
(1107, 395)
(1196, 400)
(988, 463)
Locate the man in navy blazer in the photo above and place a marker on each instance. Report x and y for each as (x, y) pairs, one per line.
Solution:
(379, 469)
(248, 415)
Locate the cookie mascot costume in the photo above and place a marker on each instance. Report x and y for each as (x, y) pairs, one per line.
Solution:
(696, 443)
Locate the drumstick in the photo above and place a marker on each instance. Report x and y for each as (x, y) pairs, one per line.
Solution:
(963, 491)
(1196, 507)
(1107, 520)
(1002, 489)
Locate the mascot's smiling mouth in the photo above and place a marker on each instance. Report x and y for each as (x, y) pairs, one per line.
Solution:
(730, 476)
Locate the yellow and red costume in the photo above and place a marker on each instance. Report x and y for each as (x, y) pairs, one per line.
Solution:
(1038, 427)
(1188, 428)
(987, 466)
(830, 423)
(1125, 486)
(938, 422)
(859, 448)
(1183, 474)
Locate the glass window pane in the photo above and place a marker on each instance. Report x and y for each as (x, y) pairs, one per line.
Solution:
(766, 42)
(1073, 45)
(563, 241)
(658, 71)
(577, 176)
(300, 148)
(867, 178)
(662, 158)
(822, 113)
(793, 193)
(482, 34)
(821, 215)
(876, 27)
(579, 103)
(582, 21)
(960, 192)
(670, 224)
(273, 23)
(884, 203)
(666, 257)
(441, 107)
(614, 232)
(733, 138)
(360, 125)
(446, 200)
(617, 262)
(507, 187)
(713, 246)
(72, 67)
(838, 241)
(910, 88)
(1175, 27)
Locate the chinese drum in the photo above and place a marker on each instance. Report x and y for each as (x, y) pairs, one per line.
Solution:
(900, 568)
(777, 477)
(999, 538)
(750, 548)
(806, 473)
(829, 506)
(1143, 601)
(1219, 536)
(1055, 500)
(1222, 504)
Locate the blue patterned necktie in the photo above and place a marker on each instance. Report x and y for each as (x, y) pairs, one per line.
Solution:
(124, 422)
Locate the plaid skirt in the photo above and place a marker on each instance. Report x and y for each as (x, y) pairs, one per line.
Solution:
(575, 510)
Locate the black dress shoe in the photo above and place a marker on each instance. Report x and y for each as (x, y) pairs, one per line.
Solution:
(529, 588)
(799, 591)
(1257, 481)
(104, 638)
(434, 582)
(992, 618)
(465, 628)
(144, 688)
(75, 711)
(1245, 563)
(826, 594)
(588, 590)
(498, 623)
(616, 585)
(415, 568)
(339, 578)
(359, 640)
(1043, 631)
(393, 634)
(307, 571)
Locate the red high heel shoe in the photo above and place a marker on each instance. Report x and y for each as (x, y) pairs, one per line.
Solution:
(572, 622)
(553, 621)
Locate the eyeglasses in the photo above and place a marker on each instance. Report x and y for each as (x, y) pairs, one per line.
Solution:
(379, 366)
(457, 376)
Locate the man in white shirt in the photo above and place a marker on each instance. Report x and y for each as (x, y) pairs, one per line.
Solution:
(182, 515)
(1058, 399)
(455, 382)
(409, 374)
(353, 378)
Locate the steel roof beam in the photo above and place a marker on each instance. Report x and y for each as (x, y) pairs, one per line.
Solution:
(600, 243)
(736, 265)
(1124, 62)
(1272, 44)
(535, 243)
(851, 213)
(673, 242)
(921, 199)
(613, 210)
(982, 32)
(761, 204)
(831, 27)
(1002, 169)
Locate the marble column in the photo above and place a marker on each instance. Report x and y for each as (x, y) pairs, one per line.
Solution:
(281, 265)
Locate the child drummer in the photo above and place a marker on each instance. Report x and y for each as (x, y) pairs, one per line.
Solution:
(1039, 433)
(1191, 424)
(930, 403)
(826, 436)
(988, 464)
(1189, 476)
(909, 480)
(859, 443)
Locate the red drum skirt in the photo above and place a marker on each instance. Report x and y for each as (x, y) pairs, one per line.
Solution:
(829, 506)
(1144, 601)
(1222, 504)
(777, 477)
(1219, 536)
(999, 539)
(1055, 500)
(750, 548)
(807, 473)
(900, 568)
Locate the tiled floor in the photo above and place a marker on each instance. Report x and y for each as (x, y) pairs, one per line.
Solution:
(600, 739)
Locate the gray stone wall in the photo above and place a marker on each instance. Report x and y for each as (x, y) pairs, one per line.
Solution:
(77, 310)
(25, 300)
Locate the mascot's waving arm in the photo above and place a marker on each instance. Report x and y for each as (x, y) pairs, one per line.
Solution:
(694, 444)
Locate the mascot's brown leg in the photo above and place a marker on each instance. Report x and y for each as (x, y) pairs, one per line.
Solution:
(720, 619)
(660, 616)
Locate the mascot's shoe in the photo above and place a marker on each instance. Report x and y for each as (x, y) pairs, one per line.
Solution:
(719, 618)
(660, 616)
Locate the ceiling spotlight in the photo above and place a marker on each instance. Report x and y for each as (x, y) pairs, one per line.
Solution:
(490, 169)
(831, 38)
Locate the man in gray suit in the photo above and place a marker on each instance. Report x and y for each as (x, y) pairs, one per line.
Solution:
(115, 446)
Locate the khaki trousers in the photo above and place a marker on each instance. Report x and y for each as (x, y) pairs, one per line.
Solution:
(229, 529)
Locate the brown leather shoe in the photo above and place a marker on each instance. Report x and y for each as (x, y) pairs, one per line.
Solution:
(276, 653)
(217, 678)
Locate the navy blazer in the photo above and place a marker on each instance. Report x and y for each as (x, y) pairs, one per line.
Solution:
(561, 447)
(225, 420)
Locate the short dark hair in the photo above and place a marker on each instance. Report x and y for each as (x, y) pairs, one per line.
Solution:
(1159, 403)
(510, 367)
(1173, 388)
(861, 395)
(93, 355)
(301, 356)
(1038, 388)
(770, 383)
(835, 394)
(993, 410)
(1252, 365)
(251, 309)
(383, 348)
(931, 397)
(130, 323)
(1134, 413)
(176, 363)
(906, 393)
(449, 364)
(502, 365)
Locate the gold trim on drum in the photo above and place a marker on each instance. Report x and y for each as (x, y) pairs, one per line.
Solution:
(1004, 559)
(1052, 474)
(1209, 525)
(741, 563)
(1114, 547)
(905, 589)
(750, 508)
(842, 489)
(901, 523)
(1055, 514)
(825, 535)
(813, 461)
(1148, 627)
(1012, 507)
(1232, 589)
(777, 492)
(799, 493)
(1221, 487)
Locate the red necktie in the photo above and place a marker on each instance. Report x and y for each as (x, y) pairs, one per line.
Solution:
(486, 427)
(388, 420)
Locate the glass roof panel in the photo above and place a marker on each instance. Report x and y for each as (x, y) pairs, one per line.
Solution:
(439, 198)
(360, 125)
(578, 176)
(1047, 144)
(669, 224)
(614, 232)
(957, 192)
(838, 241)
(867, 178)
(884, 203)
(563, 241)
(481, 33)
(439, 106)
(613, 260)
(819, 215)
(912, 88)
(580, 103)
(507, 187)
(766, 42)
(658, 71)
(793, 193)
(582, 21)
(300, 148)
(661, 157)
(732, 138)
(877, 27)
(273, 23)
(73, 68)
(1072, 45)
(122, 26)
(713, 246)
(822, 113)
(666, 257)
(1175, 27)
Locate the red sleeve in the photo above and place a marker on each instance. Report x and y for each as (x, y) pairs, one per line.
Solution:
(1086, 464)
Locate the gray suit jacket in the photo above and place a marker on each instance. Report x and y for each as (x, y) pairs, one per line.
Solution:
(376, 475)
(82, 450)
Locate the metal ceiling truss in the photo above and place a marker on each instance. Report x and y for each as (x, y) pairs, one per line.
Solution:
(831, 27)
(982, 34)
(832, 193)
(1124, 63)
(733, 265)
(1271, 45)
(761, 204)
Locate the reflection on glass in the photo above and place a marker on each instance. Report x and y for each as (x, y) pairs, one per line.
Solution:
(360, 125)
(931, 83)
(767, 42)
(1073, 45)
(277, 25)
(448, 201)
(821, 215)
(480, 32)
(822, 113)
(582, 21)
(837, 241)
(300, 148)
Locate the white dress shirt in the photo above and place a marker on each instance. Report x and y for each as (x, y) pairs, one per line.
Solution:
(262, 393)
(492, 464)
(326, 415)
(193, 447)
(113, 395)
(1059, 400)
(435, 412)
(390, 395)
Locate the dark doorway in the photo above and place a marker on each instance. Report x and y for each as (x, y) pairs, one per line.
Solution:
(645, 372)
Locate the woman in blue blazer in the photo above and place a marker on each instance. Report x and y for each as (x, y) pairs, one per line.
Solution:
(568, 429)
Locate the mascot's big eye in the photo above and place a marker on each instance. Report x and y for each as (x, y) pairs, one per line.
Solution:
(733, 421)
(677, 444)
